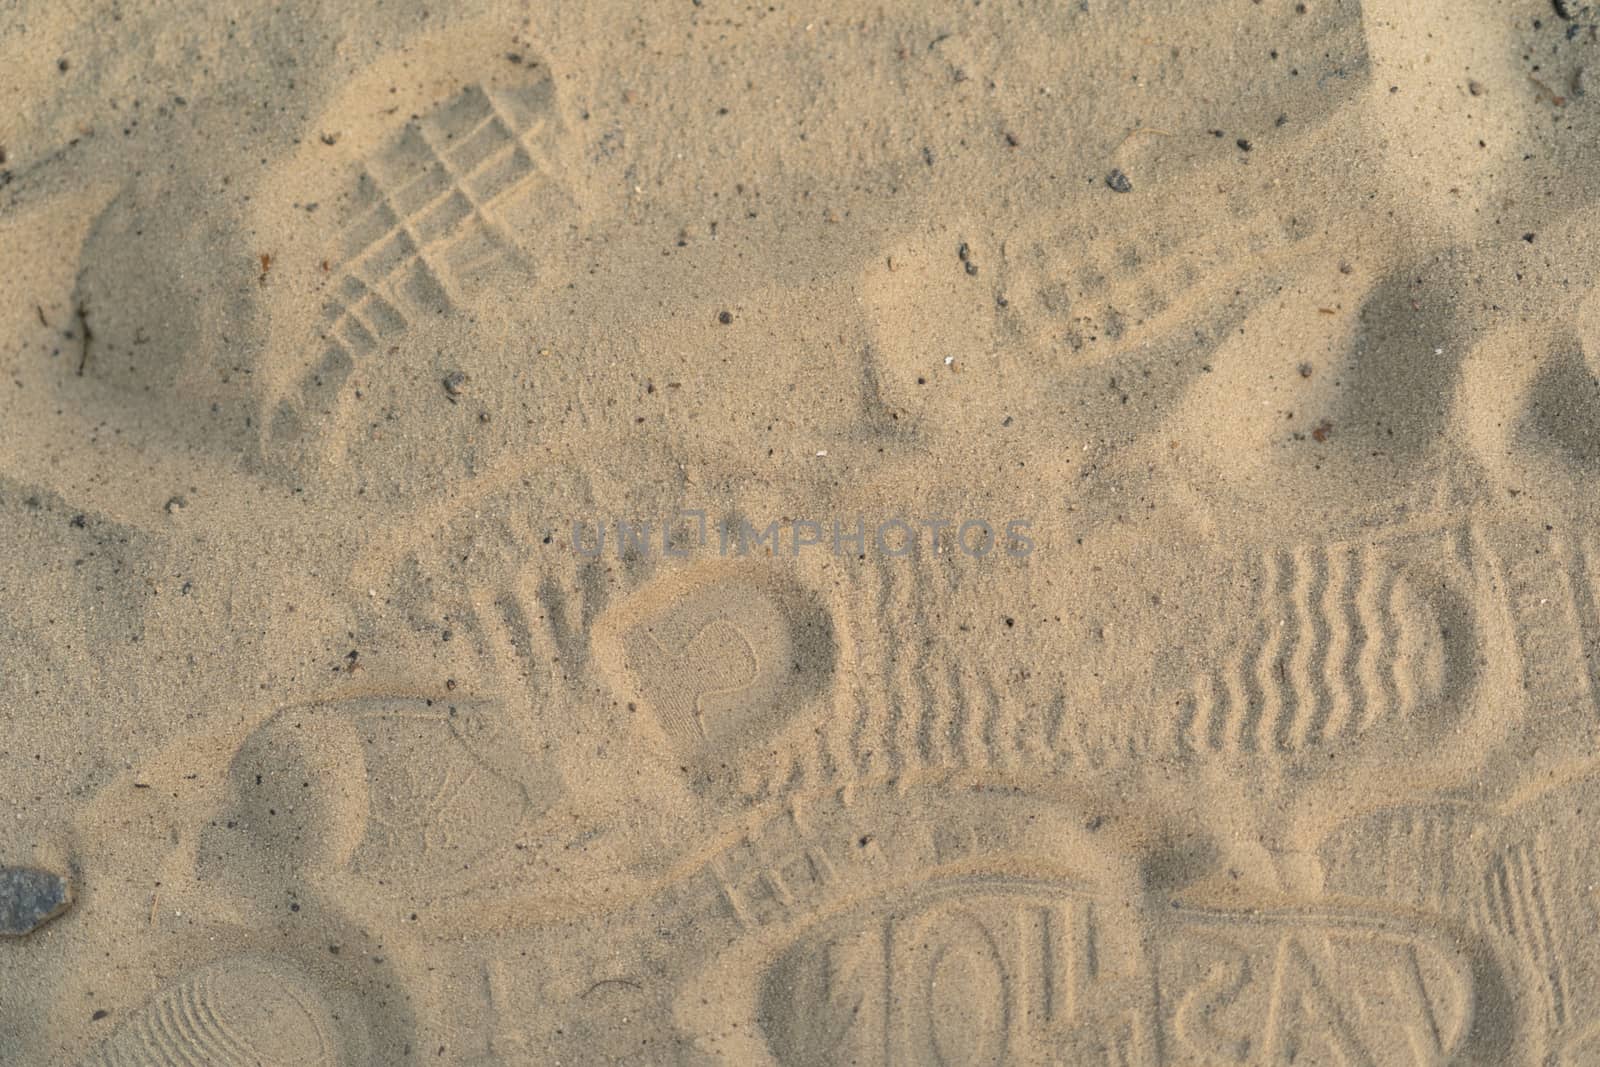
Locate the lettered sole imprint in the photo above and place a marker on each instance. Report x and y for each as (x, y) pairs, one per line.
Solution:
(967, 965)
(907, 927)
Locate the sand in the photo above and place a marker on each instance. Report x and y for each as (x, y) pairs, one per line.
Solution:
(916, 534)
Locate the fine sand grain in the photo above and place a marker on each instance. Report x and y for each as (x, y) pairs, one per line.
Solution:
(717, 534)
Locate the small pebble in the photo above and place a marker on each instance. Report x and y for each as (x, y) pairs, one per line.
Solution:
(725, 317)
(455, 383)
(176, 504)
(1119, 182)
(29, 898)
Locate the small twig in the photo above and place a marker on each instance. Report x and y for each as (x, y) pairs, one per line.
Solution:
(88, 335)
(630, 983)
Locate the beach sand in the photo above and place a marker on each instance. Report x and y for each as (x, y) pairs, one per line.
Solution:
(736, 534)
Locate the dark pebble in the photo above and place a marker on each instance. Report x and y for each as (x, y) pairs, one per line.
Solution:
(455, 383)
(1119, 182)
(29, 898)
(725, 317)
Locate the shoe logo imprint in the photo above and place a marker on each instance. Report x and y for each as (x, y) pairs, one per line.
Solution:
(722, 662)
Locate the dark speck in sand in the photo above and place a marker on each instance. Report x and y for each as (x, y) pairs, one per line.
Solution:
(1119, 182)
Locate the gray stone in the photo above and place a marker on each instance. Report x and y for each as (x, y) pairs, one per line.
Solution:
(29, 898)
